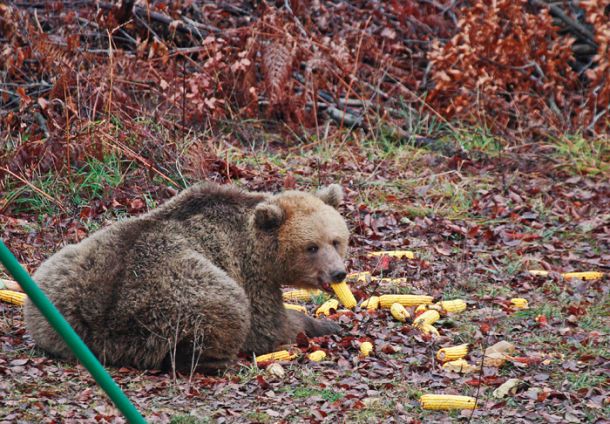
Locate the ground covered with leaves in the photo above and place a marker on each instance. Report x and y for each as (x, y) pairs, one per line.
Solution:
(477, 222)
(474, 134)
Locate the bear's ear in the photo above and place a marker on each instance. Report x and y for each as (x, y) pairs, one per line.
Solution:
(268, 216)
(331, 195)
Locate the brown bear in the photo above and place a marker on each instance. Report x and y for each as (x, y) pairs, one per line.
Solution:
(197, 279)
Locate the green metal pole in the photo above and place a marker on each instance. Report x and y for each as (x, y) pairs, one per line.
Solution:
(59, 323)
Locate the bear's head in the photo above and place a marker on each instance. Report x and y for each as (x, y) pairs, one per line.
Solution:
(312, 236)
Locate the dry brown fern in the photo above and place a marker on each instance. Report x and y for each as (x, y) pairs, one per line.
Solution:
(277, 68)
(597, 13)
(507, 67)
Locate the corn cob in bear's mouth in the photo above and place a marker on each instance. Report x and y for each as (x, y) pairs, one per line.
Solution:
(326, 287)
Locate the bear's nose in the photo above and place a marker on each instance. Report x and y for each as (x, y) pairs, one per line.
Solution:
(338, 276)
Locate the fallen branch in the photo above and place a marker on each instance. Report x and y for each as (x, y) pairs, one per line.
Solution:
(344, 117)
(584, 33)
(191, 27)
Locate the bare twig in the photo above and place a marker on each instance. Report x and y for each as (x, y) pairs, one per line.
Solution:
(584, 33)
(192, 28)
(344, 117)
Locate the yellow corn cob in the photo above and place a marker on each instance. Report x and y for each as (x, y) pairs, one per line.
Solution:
(302, 294)
(371, 303)
(13, 297)
(281, 355)
(388, 300)
(588, 275)
(325, 308)
(459, 365)
(360, 277)
(519, 303)
(366, 348)
(452, 353)
(398, 280)
(429, 329)
(538, 272)
(457, 305)
(299, 308)
(428, 317)
(399, 312)
(444, 402)
(394, 253)
(317, 356)
(421, 308)
(344, 294)
(493, 362)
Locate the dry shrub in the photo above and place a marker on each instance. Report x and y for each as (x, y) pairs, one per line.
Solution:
(500, 63)
(598, 15)
(506, 67)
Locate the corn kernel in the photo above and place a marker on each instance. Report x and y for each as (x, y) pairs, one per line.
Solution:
(428, 329)
(453, 306)
(586, 275)
(446, 402)
(366, 348)
(299, 308)
(360, 277)
(399, 312)
(302, 294)
(281, 355)
(387, 300)
(371, 303)
(394, 253)
(428, 317)
(519, 303)
(317, 356)
(452, 353)
(10, 296)
(326, 307)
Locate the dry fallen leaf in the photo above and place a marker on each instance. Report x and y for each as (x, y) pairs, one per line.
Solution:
(276, 370)
(510, 386)
(495, 355)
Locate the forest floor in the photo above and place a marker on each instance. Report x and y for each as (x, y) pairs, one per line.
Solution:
(477, 222)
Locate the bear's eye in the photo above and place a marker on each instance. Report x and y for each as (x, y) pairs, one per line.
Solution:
(312, 248)
(336, 244)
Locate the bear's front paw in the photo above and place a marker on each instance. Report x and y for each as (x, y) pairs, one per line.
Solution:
(325, 327)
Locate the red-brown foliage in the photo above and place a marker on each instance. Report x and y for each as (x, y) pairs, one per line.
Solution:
(68, 72)
(598, 14)
(505, 67)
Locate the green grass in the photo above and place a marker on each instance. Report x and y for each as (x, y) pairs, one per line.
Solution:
(478, 139)
(583, 156)
(374, 411)
(84, 184)
(596, 318)
(552, 312)
(326, 394)
(585, 380)
(246, 374)
(258, 417)
(188, 419)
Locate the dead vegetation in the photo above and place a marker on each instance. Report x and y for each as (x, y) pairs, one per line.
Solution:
(70, 68)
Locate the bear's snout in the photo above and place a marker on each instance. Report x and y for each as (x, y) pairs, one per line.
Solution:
(338, 276)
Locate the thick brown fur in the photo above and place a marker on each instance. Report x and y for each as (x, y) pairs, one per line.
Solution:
(199, 278)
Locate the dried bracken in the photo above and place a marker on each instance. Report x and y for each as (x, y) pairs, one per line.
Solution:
(505, 66)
